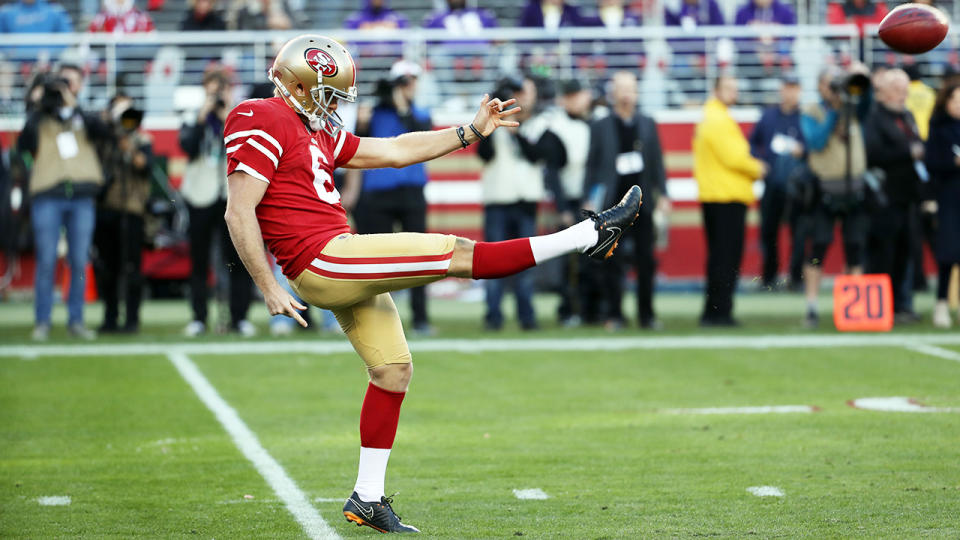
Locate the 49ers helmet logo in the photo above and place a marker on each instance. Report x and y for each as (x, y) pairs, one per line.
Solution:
(321, 62)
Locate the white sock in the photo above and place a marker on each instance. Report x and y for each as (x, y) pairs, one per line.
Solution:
(371, 472)
(579, 237)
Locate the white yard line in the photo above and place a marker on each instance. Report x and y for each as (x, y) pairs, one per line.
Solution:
(54, 500)
(763, 409)
(239, 347)
(535, 494)
(247, 442)
(765, 491)
(931, 350)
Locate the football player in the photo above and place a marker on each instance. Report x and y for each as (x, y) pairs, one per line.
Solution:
(281, 154)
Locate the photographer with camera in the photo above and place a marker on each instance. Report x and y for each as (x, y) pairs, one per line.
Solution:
(204, 190)
(895, 151)
(119, 234)
(837, 158)
(64, 181)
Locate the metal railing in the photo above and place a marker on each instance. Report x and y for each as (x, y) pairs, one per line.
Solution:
(675, 66)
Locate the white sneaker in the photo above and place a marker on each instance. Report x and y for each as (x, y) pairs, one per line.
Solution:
(78, 330)
(941, 314)
(280, 329)
(41, 332)
(246, 328)
(194, 329)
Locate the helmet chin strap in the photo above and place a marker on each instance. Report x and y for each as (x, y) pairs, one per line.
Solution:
(292, 102)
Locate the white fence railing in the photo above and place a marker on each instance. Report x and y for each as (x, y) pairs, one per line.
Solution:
(675, 66)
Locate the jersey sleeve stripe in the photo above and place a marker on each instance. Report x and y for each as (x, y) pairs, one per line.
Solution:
(341, 137)
(251, 171)
(257, 132)
(264, 151)
(234, 148)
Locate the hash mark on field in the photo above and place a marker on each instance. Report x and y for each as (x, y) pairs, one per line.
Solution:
(532, 494)
(766, 409)
(248, 444)
(932, 350)
(765, 491)
(54, 500)
(896, 404)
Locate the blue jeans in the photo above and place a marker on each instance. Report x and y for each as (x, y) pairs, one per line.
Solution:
(77, 216)
(506, 222)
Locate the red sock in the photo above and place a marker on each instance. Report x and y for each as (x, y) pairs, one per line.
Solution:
(492, 260)
(379, 417)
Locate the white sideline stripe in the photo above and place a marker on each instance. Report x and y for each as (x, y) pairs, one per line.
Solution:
(765, 491)
(54, 500)
(381, 268)
(896, 404)
(932, 350)
(247, 442)
(487, 345)
(259, 133)
(766, 409)
(530, 494)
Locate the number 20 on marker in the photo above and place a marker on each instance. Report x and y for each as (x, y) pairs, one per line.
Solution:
(863, 303)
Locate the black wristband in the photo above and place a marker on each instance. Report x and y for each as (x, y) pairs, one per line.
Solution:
(463, 140)
(477, 132)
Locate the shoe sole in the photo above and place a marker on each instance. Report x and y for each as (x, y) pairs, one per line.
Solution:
(615, 244)
(353, 518)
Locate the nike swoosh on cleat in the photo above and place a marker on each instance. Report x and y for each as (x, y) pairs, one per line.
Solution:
(367, 512)
(248, 113)
(614, 231)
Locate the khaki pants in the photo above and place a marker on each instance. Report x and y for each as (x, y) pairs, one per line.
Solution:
(353, 275)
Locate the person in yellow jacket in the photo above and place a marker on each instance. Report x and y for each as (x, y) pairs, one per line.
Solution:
(725, 172)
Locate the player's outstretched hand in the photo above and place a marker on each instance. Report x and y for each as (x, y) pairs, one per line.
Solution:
(281, 303)
(492, 114)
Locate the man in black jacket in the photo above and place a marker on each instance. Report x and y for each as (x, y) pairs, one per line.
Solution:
(894, 148)
(625, 150)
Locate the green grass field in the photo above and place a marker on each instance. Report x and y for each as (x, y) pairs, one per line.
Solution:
(115, 427)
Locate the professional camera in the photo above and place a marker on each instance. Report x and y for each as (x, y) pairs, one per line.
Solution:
(130, 120)
(52, 99)
(850, 84)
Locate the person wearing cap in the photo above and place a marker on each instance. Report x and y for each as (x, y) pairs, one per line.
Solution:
(778, 141)
(383, 199)
(625, 150)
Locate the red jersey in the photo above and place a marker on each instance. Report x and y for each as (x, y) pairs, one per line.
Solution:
(128, 22)
(300, 211)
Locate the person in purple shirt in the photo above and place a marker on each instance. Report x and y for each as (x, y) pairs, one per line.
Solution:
(770, 51)
(376, 15)
(460, 19)
(551, 14)
(694, 13)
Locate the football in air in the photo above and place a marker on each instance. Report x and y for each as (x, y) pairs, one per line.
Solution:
(914, 28)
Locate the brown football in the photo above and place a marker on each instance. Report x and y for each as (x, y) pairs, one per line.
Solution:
(914, 28)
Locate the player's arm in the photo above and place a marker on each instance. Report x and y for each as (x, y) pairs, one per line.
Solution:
(243, 196)
(410, 148)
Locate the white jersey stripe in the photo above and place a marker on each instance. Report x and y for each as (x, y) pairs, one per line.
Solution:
(340, 140)
(251, 171)
(232, 149)
(382, 268)
(264, 151)
(259, 133)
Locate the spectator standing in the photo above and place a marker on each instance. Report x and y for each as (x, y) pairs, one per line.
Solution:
(858, 12)
(259, 15)
(725, 172)
(119, 235)
(391, 198)
(921, 100)
(34, 17)
(460, 19)
(895, 148)
(121, 17)
(777, 141)
(203, 17)
(565, 177)
(204, 190)
(943, 161)
(64, 182)
(694, 13)
(376, 15)
(512, 181)
(551, 15)
(624, 151)
(832, 132)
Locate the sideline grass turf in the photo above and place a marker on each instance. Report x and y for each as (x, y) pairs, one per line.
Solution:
(585, 428)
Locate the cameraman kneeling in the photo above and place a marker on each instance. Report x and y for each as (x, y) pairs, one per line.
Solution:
(64, 181)
(837, 158)
(120, 232)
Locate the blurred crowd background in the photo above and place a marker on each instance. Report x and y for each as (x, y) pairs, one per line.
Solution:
(761, 131)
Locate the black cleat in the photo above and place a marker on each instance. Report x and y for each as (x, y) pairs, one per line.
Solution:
(376, 515)
(611, 223)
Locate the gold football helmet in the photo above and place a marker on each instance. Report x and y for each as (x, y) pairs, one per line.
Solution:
(323, 71)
